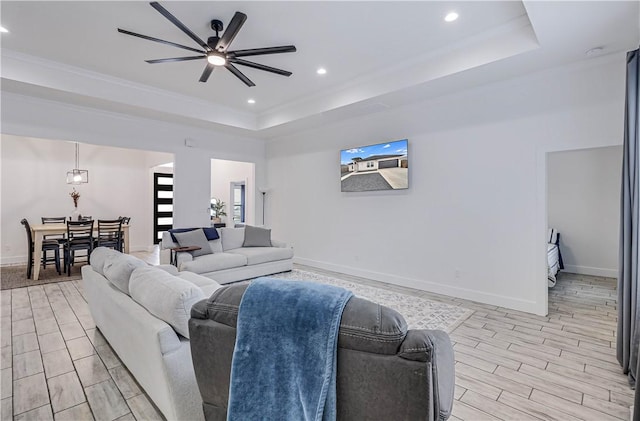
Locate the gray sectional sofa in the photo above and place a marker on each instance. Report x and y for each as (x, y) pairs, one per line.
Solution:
(230, 259)
(143, 312)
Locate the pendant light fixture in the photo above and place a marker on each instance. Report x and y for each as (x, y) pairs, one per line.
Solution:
(76, 175)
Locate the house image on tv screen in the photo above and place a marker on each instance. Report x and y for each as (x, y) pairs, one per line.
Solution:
(384, 166)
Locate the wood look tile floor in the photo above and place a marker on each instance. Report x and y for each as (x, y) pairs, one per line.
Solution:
(516, 366)
(57, 365)
(509, 365)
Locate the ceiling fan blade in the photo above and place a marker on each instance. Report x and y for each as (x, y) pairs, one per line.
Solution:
(169, 60)
(232, 30)
(239, 74)
(123, 31)
(260, 66)
(164, 12)
(207, 72)
(262, 51)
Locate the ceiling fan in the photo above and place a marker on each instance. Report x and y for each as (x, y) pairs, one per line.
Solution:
(215, 50)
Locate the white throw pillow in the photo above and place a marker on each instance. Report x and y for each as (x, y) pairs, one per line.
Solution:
(167, 297)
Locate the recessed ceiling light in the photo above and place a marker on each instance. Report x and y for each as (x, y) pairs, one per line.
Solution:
(451, 16)
(251, 101)
(3, 29)
(321, 71)
(594, 51)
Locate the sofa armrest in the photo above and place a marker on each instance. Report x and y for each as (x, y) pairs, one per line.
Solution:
(167, 242)
(434, 347)
(279, 244)
(165, 256)
(183, 257)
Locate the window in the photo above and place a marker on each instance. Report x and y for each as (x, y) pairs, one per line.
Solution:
(238, 197)
(370, 164)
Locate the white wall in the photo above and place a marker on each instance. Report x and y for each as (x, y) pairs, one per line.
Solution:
(33, 117)
(584, 206)
(473, 221)
(33, 184)
(223, 173)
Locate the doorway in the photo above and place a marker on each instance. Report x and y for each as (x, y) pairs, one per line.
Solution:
(233, 183)
(162, 204)
(238, 197)
(583, 205)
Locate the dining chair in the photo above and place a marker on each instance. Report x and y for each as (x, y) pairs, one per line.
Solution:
(86, 218)
(54, 219)
(109, 234)
(46, 246)
(125, 221)
(79, 237)
(60, 238)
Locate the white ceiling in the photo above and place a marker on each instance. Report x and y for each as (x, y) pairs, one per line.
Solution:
(378, 54)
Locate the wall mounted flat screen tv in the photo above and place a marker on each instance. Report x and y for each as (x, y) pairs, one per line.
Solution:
(384, 166)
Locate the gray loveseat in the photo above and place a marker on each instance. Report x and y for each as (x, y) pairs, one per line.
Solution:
(385, 371)
(230, 260)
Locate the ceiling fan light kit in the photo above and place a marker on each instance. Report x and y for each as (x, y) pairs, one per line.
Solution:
(215, 50)
(216, 59)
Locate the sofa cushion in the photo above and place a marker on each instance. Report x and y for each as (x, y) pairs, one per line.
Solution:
(208, 286)
(216, 245)
(257, 255)
(197, 280)
(115, 266)
(213, 262)
(167, 297)
(99, 257)
(194, 238)
(232, 238)
(256, 237)
(170, 269)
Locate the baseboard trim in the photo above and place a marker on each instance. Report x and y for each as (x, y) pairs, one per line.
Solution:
(437, 288)
(587, 270)
(13, 261)
(22, 260)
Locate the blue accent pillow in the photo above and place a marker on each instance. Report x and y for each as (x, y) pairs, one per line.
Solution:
(210, 232)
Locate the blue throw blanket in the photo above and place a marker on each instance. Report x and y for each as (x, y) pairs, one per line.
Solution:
(284, 362)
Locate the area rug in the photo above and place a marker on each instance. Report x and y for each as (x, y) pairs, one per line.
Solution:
(16, 276)
(419, 313)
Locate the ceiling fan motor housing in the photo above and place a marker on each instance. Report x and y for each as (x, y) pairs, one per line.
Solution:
(216, 25)
(212, 42)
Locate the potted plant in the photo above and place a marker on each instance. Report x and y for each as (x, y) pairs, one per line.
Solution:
(217, 210)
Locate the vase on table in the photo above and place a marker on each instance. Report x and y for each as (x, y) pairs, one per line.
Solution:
(75, 215)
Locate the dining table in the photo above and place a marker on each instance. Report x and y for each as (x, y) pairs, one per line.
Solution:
(40, 230)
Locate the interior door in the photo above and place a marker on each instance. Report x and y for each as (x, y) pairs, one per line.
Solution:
(162, 205)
